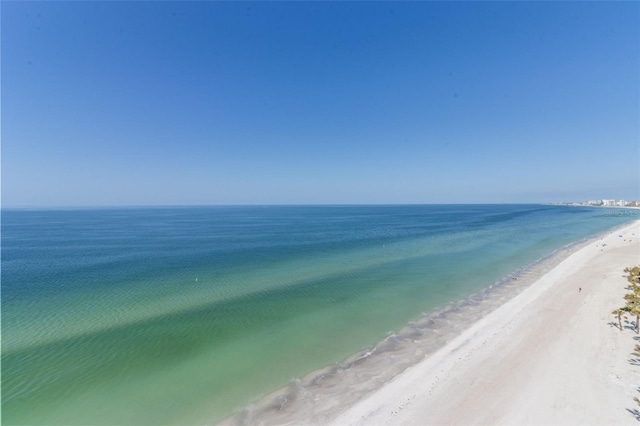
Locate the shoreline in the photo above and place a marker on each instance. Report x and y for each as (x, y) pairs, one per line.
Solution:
(547, 356)
(327, 394)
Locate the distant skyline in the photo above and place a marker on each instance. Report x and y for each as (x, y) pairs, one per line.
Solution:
(169, 103)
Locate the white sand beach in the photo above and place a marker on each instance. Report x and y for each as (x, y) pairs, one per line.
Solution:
(548, 356)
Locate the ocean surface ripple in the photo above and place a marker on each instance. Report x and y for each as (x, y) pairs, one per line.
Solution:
(250, 314)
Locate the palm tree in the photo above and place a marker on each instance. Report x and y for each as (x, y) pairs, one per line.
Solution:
(633, 276)
(619, 313)
(632, 298)
(633, 305)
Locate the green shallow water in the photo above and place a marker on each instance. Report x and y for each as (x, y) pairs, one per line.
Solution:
(180, 316)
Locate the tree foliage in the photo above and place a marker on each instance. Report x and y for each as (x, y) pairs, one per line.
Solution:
(632, 298)
(632, 306)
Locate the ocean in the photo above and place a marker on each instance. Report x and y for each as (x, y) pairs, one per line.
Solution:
(189, 315)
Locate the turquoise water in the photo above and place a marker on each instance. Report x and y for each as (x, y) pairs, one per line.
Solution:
(183, 315)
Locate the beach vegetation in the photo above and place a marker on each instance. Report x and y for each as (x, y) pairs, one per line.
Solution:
(632, 298)
(632, 306)
(635, 311)
(619, 313)
(633, 276)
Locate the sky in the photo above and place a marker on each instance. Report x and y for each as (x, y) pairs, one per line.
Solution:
(207, 103)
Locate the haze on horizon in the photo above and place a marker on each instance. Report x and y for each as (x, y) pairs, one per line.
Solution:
(145, 103)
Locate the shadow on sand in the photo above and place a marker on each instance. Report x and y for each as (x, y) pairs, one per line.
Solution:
(626, 325)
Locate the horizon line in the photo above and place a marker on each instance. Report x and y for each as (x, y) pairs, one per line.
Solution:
(152, 206)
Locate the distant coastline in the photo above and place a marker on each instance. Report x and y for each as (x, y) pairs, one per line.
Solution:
(599, 203)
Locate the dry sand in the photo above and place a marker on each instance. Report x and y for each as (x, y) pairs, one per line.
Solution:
(550, 356)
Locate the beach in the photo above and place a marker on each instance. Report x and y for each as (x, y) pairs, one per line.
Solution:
(550, 355)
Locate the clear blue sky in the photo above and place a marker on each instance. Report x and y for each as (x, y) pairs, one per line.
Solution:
(146, 103)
